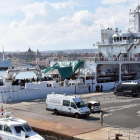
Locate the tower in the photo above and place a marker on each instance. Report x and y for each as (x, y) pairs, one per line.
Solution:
(136, 16)
(38, 54)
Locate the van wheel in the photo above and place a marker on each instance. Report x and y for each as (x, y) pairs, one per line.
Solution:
(55, 112)
(77, 115)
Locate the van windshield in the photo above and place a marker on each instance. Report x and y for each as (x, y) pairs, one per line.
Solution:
(80, 104)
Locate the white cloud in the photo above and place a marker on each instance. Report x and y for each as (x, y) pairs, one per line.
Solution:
(54, 24)
(9, 7)
(14, 24)
(117, 1)
(32, 9)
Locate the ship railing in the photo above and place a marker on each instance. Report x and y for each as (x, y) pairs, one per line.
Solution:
(110, 59)
(124, 134)
(89, 58)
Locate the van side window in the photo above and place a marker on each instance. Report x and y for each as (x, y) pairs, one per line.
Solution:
(73, 105)
(66, 103)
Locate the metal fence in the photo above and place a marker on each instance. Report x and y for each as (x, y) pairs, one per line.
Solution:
(125, 134)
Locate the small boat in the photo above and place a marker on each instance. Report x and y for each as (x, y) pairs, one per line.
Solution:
(12, 128)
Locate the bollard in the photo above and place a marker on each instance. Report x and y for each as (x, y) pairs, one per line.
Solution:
(117, 136)
(129, 134)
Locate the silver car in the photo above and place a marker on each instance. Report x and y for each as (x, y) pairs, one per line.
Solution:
(94, 106)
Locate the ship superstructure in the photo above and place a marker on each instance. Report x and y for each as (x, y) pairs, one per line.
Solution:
(118, 57)
(5, 61)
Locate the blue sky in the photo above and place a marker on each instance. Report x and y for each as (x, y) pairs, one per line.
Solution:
(59, 24)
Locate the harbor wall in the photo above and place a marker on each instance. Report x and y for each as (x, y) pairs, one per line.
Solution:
(40, 90)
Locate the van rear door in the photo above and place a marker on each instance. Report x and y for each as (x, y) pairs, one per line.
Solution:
(66, 109)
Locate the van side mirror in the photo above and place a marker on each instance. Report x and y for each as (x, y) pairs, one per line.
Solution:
(74, 106)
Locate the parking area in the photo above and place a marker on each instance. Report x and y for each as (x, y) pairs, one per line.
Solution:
(119, 112)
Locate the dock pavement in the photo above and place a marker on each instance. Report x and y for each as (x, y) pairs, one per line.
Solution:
(65, 125)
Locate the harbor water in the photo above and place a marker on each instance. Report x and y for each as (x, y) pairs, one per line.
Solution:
(21, 75)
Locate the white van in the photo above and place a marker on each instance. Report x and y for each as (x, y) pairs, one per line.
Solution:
(70, 105)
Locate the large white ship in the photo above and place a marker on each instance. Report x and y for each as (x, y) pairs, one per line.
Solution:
(5, 62)
(117, 60)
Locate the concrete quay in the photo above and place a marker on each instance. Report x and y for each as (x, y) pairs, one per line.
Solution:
(85, 128)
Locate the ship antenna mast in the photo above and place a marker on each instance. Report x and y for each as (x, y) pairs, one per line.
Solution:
(3, 53)
(114, 19)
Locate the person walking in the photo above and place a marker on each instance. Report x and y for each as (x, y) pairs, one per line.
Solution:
(101, 117)
(98, 88)
(89, 88)
(37, 80)
(33, 79)
(101, 88)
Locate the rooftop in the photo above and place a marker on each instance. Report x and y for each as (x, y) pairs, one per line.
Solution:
(12, 121)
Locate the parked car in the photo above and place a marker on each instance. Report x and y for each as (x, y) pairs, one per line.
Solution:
(130, 89)
(94, 106)
(70, 105)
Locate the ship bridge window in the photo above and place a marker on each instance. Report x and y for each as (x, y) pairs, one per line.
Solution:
(124, 38)
(117, 39)
(120, 38)
(19, 129)
(7, 129)
(1, 126)
(27, 127)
